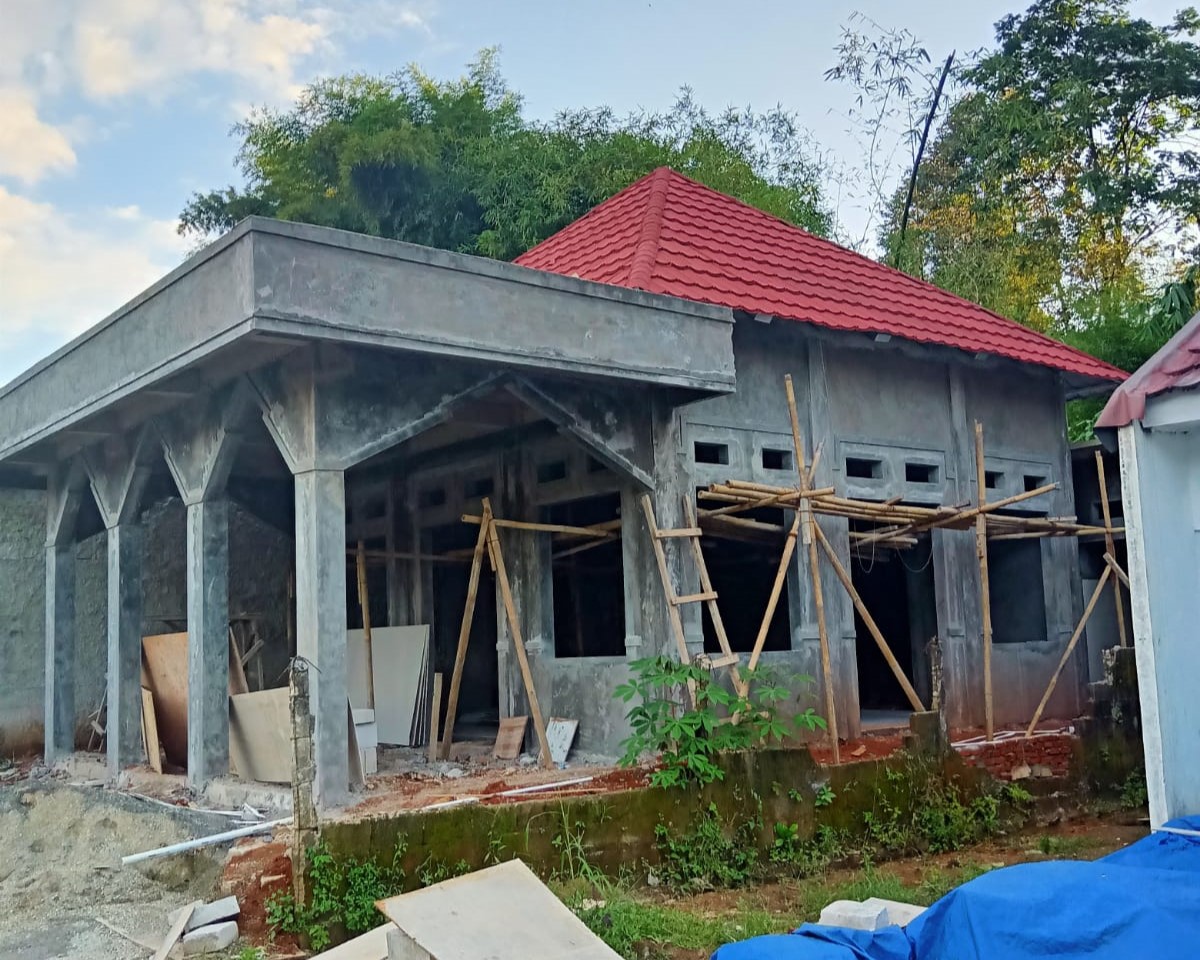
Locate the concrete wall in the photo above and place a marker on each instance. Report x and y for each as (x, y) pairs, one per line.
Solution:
(260, 559)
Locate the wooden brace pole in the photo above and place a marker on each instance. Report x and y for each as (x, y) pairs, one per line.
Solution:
(789, 548)
(514, 627)
(1116, 568)
(863, 612)
(1109, 546)
(464, 635)
(364, 606)
(985, 590)
(1070, 648)
(809, 522)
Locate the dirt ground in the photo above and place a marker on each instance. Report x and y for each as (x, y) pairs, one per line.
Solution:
(61, 870)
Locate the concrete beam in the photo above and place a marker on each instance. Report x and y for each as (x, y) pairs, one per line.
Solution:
(321, 623)
(613, 425)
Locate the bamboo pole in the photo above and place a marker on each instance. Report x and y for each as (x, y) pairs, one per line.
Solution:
(789, 548)
(815, 571)
(464, 635)
(1109, 545)
(872, 626)
(1070, 647)
(669, 594)
(1116, 568)
(569, 531)
(514, 626)
(364, 606)
(985, 591)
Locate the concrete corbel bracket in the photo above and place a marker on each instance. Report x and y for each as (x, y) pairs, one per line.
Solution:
(118, 470)
(64, 493)
(200, 443)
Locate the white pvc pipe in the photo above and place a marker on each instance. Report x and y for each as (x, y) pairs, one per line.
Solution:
(199, 842)
(544, 786)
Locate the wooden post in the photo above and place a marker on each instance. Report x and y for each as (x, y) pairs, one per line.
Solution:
(364, 606)
(1109, 546)
(464, 633)
(1070, 647)
(872, 627)
(514, 626)
(809, 522)
(1116, 568)
(435, 716)
(789, 549)
(985, 590)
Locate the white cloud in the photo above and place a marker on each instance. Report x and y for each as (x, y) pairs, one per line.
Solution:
(60, 273)
(29, 147)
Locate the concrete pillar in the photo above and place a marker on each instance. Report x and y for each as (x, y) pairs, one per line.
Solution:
(125, 542)
(60, 650)
(208, 639)
(321, 622)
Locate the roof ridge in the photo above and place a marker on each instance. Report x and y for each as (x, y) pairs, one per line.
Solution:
(907, 278)
(645, 252)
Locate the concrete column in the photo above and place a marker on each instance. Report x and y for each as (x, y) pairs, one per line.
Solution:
(125, 542)
(640, 576)
(321, 622)
(60, 650)
(208, 639)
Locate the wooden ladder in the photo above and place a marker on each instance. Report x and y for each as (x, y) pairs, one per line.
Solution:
(707, 594)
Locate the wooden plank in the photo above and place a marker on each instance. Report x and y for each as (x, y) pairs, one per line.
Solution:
(680, 532)
(873, 628)
(815, 572)
(985, 590)
(237, 671)
(1037, 714)
(166, 660)
(1110, 547)
(464, 635)
(514, 626)
(510, 738)
(435, 715)
(695, 598)
(396, 681)
(598, 531)
(150, 732)
(260, 741)
(176, 930)
(364, 608)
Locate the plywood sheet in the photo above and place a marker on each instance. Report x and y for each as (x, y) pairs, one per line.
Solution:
(560, 734)
(260, 742)
(398, 654)
(166, 661)
(510, 738)
(150, 732)
(505, 907)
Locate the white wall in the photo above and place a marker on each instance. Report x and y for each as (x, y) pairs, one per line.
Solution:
(1160, 470)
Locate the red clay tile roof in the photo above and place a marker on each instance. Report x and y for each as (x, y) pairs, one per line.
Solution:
(1176, 365)
(669, 234)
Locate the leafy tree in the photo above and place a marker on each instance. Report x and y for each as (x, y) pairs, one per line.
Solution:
(454, 164)
(1064, 167)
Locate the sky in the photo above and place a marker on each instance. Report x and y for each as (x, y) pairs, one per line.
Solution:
(113, 112)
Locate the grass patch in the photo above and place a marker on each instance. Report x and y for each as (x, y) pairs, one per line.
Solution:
(1067, 848)
(639, 929)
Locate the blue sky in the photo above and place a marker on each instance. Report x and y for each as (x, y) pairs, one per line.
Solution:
(112, 112)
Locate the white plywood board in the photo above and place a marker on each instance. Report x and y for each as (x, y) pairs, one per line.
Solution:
(370, 946)
(506, 907)
(260, 741)
(560, 734)
(397, 654)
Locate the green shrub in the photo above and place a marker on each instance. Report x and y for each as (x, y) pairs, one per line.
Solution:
(709, 855)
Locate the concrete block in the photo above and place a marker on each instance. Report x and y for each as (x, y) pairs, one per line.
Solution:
(224, 909)
(1021, 772)
(1042, 770)
(400, 946)
(898, 913)
(855, 915)
(210, 939)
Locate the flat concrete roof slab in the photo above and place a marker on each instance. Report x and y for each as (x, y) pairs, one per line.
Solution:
(288, 282)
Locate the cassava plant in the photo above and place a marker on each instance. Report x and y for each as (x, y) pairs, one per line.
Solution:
(689, 735)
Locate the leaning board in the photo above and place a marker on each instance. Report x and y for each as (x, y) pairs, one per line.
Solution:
(260, 741)
(397, 654)
(505, 907)
(165, 658)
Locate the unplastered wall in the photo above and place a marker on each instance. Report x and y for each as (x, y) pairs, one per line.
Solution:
(259, 560)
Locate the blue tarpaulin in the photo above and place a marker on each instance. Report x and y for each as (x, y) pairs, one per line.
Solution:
(1143, 901)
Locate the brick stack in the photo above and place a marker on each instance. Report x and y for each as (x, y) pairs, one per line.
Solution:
(1015, 758)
